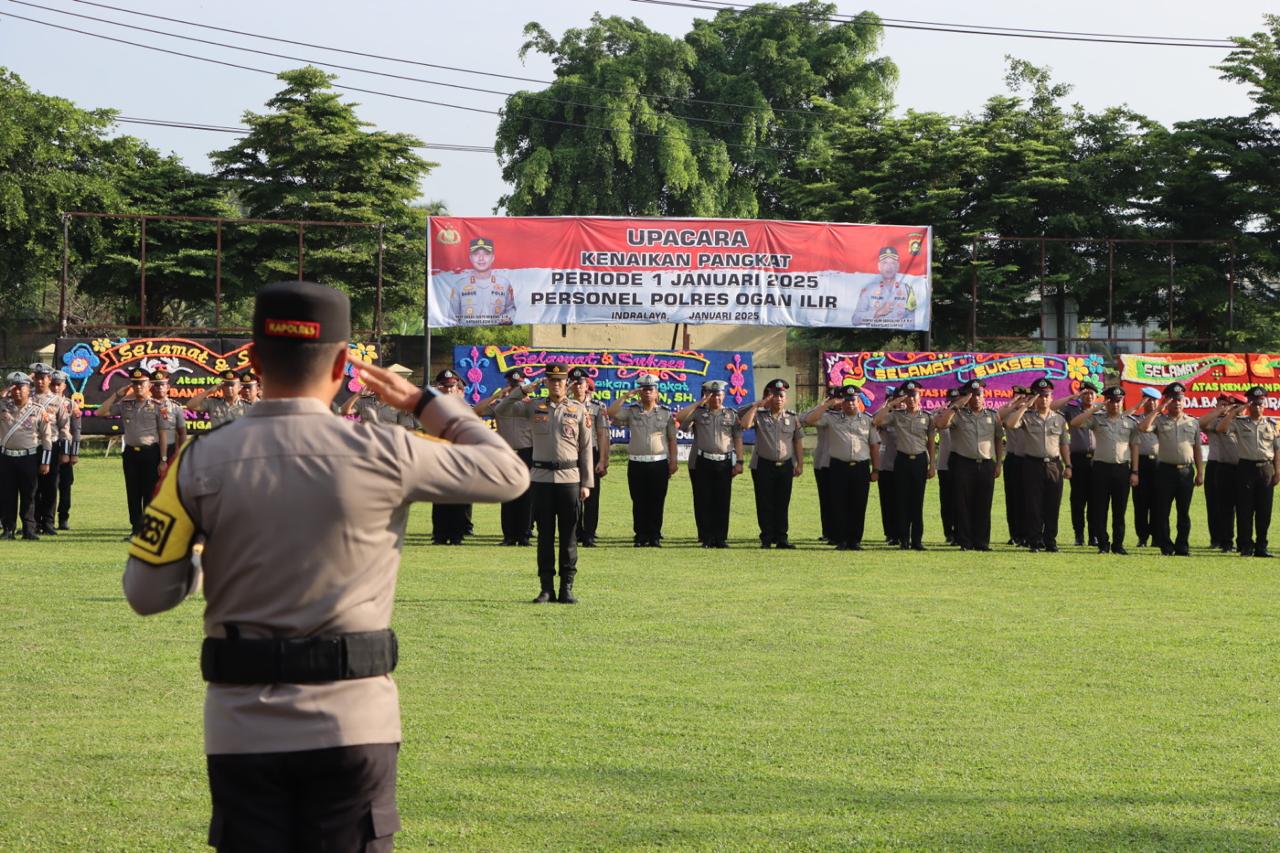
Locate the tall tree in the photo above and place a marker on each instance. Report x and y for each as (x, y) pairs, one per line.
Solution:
(309, 157)
(640, 123)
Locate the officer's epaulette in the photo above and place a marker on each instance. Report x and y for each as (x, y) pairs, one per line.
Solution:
(791, 412)
(542, 407)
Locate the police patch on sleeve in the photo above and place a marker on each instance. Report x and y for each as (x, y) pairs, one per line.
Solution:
(167, 531)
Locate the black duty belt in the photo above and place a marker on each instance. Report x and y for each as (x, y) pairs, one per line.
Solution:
(555, 466)
(299, 660)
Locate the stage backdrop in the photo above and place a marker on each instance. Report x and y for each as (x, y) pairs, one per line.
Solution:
(501, 270)
(873, 372)
(680, 374)
(97, 366)
(1204, 374)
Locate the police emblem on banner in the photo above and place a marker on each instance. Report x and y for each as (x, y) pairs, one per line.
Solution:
(449, 237)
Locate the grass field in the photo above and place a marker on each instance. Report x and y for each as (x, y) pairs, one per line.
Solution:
(699, 700)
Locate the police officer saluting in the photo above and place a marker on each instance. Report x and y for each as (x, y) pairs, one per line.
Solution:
(853, 447)
(68, 450)
(145, 452)
(1115, 466)
(26, 450)
(977, 446)
(889, 521)
(652, 458)
(777, 460)
(1082, 446)
(1046, 444)
(516, 514)
(946, 488)
(581, 388)
(1179, 469)
(173, 417)
(1220, 474)
(714, 460)
(914, 434)
(1257, 439)
(302, 719)
(1144, 493)
(221, 404)
(820, 463)
(57, 408)
(1014, 505)
(562, 477)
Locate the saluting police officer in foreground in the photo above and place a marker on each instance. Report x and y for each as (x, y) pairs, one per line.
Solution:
(304, 515)
(1179, 469)
(1046, 444)
(651, 458)
(714, 460)
(561, 475)
(1114, 461)
(853, 454)
(777, 460)
(977, 445)
(26, 448)
(914, 434)
(1257, 439)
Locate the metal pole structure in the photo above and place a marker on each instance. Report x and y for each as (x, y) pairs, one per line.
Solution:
(426, 312)
(299, 251)
(1170, 291)
(1111, 295)
(1231, 290)
(66, 264)
(217, 279)
(1042, 296)
(142, 279)
(675, 331)
(378, 295)
(973, 297)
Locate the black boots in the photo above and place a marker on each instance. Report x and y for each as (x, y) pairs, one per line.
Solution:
(566, 592)
(548, 592)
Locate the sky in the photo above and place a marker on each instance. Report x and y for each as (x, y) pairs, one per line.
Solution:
(945, 72)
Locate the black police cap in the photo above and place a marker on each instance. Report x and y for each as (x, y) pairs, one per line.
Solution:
(248, 378)
(445, 375)
(159, 375)
(557, 371)
(1090, 385)
(1042, 384)
(972, 385)
(1115, 392)
(848, 392)
(1256, 393)
(577, 373)
(229, 376)
(515, 373)
(777, 386)
(139, 375)
(1174, 389)
(909, 386)
(301, 312)
(480, 243)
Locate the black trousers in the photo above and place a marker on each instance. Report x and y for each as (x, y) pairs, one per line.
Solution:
(712, 492)
(647, 482)
(822, 480)
(1144, 500)
(517, 513)
(1014, 507)
(47, 488)
(910, 471)
(1254, 494)
(1174, 485)
(341, 799)
(589, 511)
(1081, 491)
(66, 479)
(141, 471)
(18, 477)
(555, 511)
(974, 485)
(1042, 499)
(772, 484)
(1109, 490)
(448, 523)
(850, 488)
(885, 484)
(1220, 502)
(947, 502)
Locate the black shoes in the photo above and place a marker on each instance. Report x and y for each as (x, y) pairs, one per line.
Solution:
(46, 530)
(1079, 540)
(786, 545)
(1263, 553)
(1052, 548)
(548, 594)
(566, 593)
(1119, 549)
(918, 546)
(28, 536)
(1102, 549)
(62, 525)
(7, 535)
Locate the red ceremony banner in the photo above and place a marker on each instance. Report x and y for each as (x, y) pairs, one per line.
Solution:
(501, 270)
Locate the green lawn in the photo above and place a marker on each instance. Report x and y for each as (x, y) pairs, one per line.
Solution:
(699, 700)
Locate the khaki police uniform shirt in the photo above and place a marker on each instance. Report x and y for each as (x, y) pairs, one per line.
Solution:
(974, 434)
(714, 433)
(26, 428)
(775, 436)
(913, 432)
(304, 515)
(1112, 436)
(561, 433)
(1042, 434)
(1082, 440)
(1015, 443)
(142, 421)
(1256, 440)
(849, 437)
(821, 451)
(598, 417)
(516, 431)
(650, 430)
(1148, 443)
(1179, 439)
(888, 447)
(221, 411)
(58, 410)
(171, 414)
(1222, 447)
